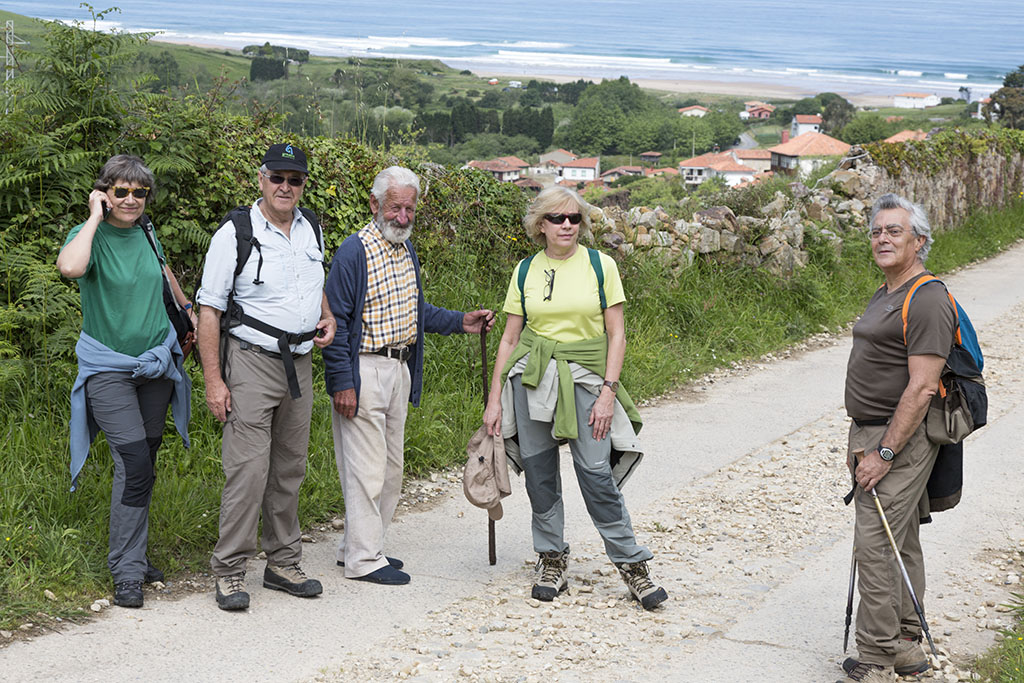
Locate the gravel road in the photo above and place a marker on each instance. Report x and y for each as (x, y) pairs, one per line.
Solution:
(739, 498)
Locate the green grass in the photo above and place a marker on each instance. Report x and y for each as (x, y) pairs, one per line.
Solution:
(682, 325)
(1004, 663)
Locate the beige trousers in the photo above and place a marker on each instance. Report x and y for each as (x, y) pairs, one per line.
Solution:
(886, 611)
(263, 453)
(369, 450)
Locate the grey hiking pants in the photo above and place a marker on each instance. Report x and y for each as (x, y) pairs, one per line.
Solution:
(131, 411)
(590, 458)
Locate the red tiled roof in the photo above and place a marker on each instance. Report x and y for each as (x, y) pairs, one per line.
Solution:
(811, 144)
(704, 160)
(918, 95)
(493, 165)
(585, 162)
(730, 166)
(807, 118)
(514, 161)
(651, 154)
(624, 170)
(692, 107)
(528, 183)
(752, 153)
(668, 170)
(905, 135)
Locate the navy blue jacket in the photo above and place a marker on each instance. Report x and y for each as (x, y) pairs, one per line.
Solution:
(346, 294)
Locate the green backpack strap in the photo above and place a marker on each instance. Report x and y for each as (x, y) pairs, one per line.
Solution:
(524, 268)
(595, 263)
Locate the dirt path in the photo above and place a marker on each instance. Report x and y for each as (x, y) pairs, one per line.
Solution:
(739, 499)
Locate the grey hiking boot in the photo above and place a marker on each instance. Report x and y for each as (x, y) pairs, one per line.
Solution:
(553, 567)
(869, 673)
(637, 579)
(291, 579)
(231, 593)
(910, 658)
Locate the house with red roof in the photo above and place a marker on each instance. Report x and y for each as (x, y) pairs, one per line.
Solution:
(561, 156)
(587, 168)
(655, 172)
(905, 135)
(715, 165)
(614, 174)
(758, 159)
(693, 110)
(504, 169)
(806, 152)
(650, 157)
(915, 100)
(805, 123)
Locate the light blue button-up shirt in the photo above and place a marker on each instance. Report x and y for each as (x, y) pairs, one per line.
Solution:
(291, 294)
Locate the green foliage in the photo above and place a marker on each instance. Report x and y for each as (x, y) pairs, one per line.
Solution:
(277, 52)
(1005, 662)
(267, 69)
(866, 128)
(1007, 103)
(947, 147)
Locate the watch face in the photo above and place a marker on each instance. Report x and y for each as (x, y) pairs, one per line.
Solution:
(887, 454)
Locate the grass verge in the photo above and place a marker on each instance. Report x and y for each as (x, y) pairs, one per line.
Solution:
(679, 326)
(1004, 663)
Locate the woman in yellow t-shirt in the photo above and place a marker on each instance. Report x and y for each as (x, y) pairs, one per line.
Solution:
(556, 376)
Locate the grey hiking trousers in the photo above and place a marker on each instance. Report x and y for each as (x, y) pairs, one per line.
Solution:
(539, 453)
(131, 411)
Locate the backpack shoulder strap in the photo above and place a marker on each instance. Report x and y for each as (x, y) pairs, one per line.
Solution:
(244, 240)
(595, 263)
(910, 295)
(315, 222)
(524, 268)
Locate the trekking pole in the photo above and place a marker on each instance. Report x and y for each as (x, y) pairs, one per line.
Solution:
(903, 570)
(849, 599)
(492, 556)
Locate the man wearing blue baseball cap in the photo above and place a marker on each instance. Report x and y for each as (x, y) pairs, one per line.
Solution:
(261, 314)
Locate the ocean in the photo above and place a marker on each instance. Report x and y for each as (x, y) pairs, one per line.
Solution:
(868, 46)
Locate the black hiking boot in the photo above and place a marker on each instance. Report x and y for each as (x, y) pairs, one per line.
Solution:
(128, 594)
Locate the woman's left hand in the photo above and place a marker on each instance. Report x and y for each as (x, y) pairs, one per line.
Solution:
(601, 414)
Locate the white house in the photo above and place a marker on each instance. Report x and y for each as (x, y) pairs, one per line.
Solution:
(562, 156)
(805, 123)
(805, 153)
(715, 164)
(587, 168)
(694, 110)
(915, 100)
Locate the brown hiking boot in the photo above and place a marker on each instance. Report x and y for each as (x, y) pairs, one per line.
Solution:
(869, 673)
(637, 578)
(231, 593)
(910, 658)
(291, 579)
(553, 567)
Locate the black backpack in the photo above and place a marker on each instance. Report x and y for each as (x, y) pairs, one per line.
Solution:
(178, 316)
(235, 316)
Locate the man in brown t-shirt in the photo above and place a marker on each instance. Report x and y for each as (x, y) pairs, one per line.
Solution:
(889, 384)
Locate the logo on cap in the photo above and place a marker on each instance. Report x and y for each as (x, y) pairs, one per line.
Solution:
(288, 152)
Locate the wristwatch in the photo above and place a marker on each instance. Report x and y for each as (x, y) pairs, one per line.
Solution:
(614, 386)
(886, 453)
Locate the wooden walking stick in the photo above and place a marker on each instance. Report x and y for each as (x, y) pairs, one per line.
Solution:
(492, 556)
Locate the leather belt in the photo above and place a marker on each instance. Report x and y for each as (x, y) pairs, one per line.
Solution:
(400, 353)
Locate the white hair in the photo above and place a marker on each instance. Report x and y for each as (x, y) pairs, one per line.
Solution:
(919, 224)
(394, 177)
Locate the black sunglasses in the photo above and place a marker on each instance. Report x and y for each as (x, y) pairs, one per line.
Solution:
(137, 192)
(294, 181)
(559, 218)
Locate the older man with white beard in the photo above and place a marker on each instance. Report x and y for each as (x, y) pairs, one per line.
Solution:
(374, 367)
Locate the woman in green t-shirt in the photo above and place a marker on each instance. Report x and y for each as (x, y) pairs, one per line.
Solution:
(556, 376)
(129, 358)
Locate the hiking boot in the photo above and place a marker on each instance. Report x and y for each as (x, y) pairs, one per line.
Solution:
(869, 673)
(152, 574)
(128, 593)
(910, 658)
(231, 593)
(291, 579)
(635, 574)
(552, 566)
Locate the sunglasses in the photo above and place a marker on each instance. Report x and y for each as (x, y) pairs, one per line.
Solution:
(137, 192)
(549, 284)
(294, 181)
(559, 218)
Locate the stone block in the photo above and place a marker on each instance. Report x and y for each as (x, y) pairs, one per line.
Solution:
(709, 241)
(717, 217)
(848, 181)
(661, 238)
(612, 240)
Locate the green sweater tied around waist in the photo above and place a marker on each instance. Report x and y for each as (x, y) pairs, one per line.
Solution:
(591, 354)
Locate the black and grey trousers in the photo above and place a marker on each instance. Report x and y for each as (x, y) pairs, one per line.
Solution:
(131, 411)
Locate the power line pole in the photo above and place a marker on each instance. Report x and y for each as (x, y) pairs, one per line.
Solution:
(10, 40)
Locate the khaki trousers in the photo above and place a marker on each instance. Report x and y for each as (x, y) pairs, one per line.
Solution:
(886, 611)
(370, 453)
(263, 453)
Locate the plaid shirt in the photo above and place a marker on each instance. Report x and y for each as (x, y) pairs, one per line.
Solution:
(389, 314)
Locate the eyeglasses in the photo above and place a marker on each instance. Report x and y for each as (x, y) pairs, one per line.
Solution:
(294, 180)
(137, 192)
(549, 283)
(893, 231)
(559, 218)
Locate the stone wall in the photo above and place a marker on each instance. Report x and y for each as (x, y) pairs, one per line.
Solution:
(838, 204)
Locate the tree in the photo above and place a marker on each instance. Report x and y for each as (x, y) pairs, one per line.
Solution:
(164, 68)
(1014, 79)
(866, 128)
(267, 69)
(838, 113)
(1007, 103)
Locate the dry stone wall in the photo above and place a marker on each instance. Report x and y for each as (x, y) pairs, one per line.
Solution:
(839, 204)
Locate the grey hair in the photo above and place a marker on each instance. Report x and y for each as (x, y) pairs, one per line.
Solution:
(126, 168)
(549, 200)
(394, 177)
(918, 219)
